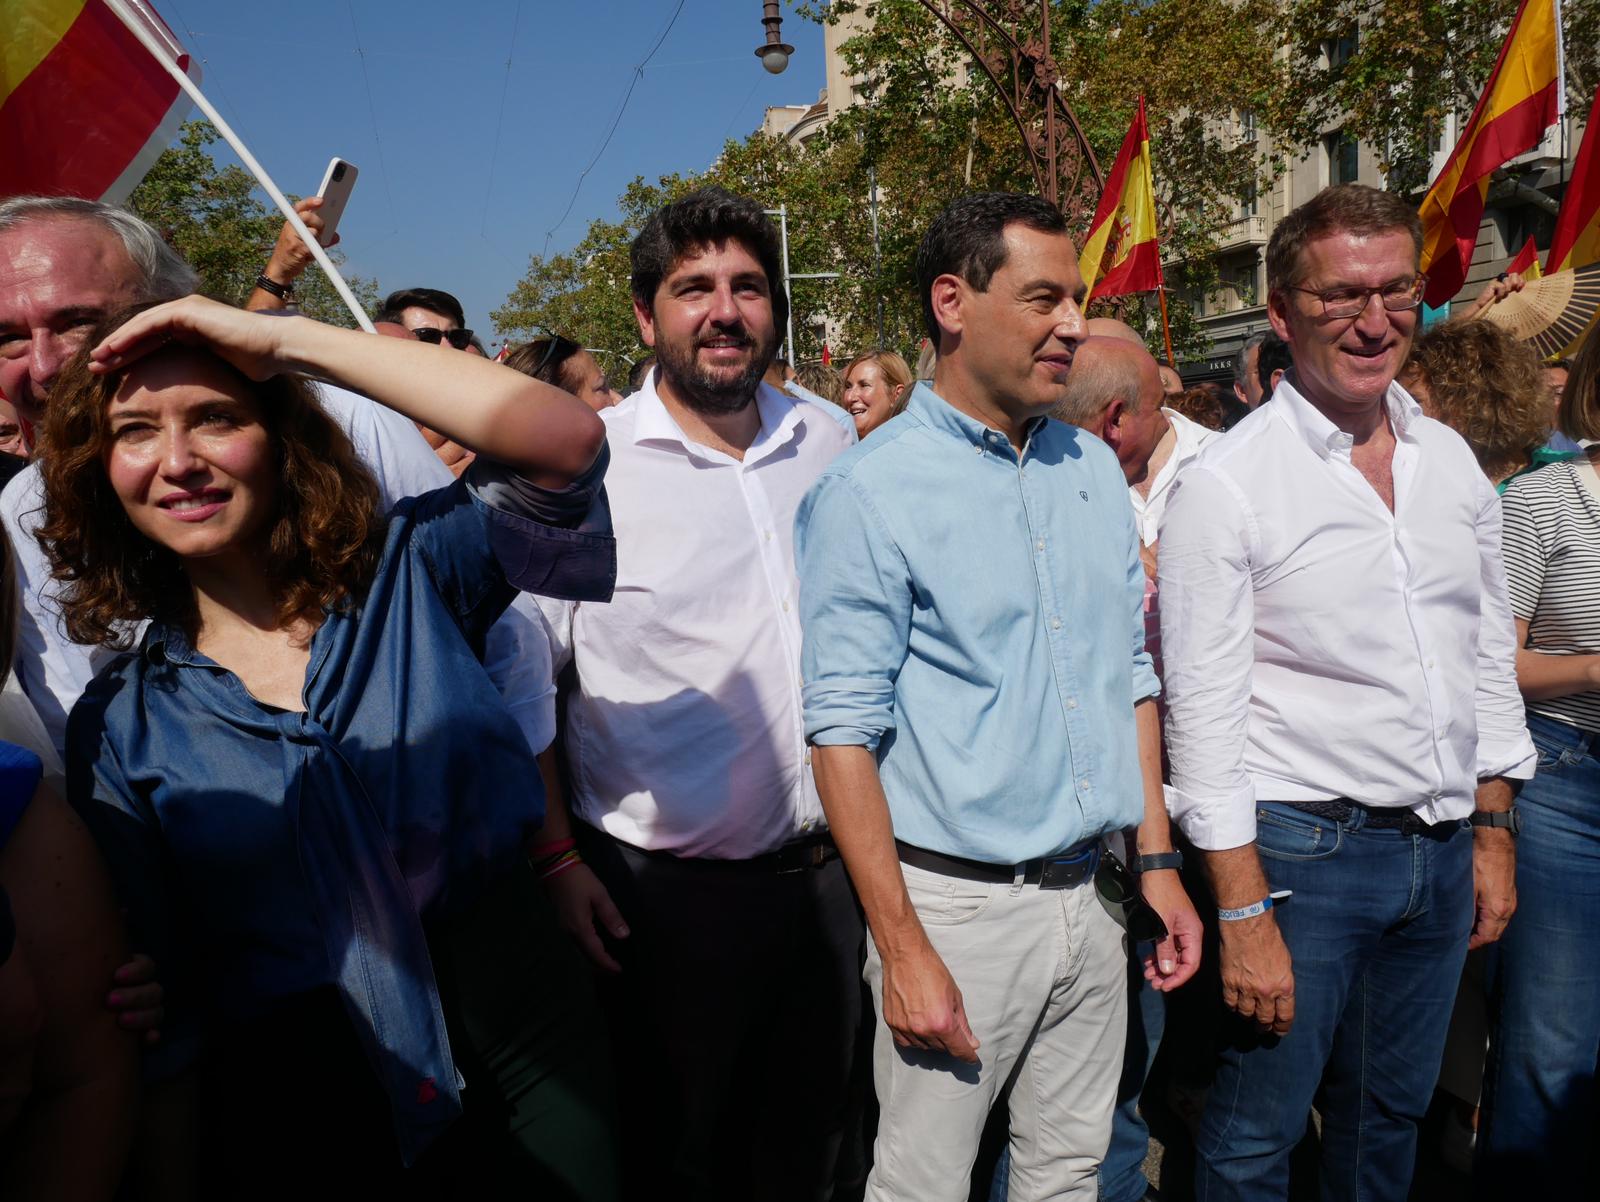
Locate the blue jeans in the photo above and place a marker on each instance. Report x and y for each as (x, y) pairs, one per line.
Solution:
(1538, 1123)
(1377, 930)
(1122, 1176)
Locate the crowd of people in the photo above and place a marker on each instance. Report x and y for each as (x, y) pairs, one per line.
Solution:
(426, 776)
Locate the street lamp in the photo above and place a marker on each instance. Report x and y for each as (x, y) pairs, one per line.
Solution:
(774, 52)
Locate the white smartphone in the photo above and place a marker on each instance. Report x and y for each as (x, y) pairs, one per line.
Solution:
(337, 182)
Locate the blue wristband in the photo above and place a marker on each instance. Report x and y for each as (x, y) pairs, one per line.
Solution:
(1260, 907)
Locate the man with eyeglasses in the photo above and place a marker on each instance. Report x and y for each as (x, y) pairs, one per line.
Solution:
(1343, 718)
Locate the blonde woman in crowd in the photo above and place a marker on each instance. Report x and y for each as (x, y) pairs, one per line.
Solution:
(876, 387)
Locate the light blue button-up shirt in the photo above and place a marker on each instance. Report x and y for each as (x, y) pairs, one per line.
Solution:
(976, 618)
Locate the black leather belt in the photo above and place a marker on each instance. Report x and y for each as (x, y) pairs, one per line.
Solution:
(798, 855)
(1065, 871)
(1382, 818)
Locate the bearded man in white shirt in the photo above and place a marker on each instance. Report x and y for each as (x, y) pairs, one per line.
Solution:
(1343, 720)
(706, 882)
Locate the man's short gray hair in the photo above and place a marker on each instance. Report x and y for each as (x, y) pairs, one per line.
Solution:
(1241, 361)
(1096, 380)
(163, 275)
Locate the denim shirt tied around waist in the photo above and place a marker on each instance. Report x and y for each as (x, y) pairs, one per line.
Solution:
(264, 853)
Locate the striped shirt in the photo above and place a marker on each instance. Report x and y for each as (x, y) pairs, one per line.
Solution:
(1552, 546)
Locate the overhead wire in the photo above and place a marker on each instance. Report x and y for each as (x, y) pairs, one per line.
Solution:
(499, 121)
(638, 74)
(194, 46)
(372, 112)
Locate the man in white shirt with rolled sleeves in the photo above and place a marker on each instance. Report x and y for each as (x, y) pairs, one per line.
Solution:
(707, 884)
(1343, 720)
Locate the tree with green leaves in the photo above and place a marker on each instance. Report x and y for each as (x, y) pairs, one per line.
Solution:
(926, 130)
(215, 218)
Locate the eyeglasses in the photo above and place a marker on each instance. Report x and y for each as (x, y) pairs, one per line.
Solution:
(460, 339)
(1397, 297)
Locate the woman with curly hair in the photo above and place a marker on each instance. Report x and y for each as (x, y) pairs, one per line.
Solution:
(311, 796)
(1486, 386)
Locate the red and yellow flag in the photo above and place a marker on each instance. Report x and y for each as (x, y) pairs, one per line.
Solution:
(1577, 237)
(84, 107)
(1527, 261)
(1521, 100)
(1120, 254)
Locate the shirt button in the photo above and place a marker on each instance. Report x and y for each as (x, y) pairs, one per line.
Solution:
(785, 607)
(978, 448)
(769, 536)
(808, 755)
(1039, 545)
(1072, 703)
(1055, 623)
(1084, 784)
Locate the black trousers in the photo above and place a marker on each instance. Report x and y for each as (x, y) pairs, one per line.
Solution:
(734, 1023)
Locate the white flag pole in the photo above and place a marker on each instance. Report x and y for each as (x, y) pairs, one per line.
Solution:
(129, 13)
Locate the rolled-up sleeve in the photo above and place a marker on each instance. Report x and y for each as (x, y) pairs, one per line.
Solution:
(855, 610)
(556, 542)
(1207, 650)
(1504, 747)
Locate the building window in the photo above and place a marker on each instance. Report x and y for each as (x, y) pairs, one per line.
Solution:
(1343, 158)
(1249, 201)
(1339, 51)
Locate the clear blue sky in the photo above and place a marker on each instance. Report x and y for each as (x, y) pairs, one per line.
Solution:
(438, 204)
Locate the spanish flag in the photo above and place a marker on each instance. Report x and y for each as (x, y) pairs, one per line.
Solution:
(1120, 254)
(84, 107)
(1577, 238)
(1521, 100)
(1527, 261)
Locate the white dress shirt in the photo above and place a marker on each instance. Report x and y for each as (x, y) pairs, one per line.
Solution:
(54, 671)
(1189, 439)
(1319, 646)
(684, 733)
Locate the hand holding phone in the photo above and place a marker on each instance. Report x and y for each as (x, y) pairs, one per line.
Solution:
(337, 183)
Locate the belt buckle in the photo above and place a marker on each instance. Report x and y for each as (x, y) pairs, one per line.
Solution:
(799, 859)
(1068, 872)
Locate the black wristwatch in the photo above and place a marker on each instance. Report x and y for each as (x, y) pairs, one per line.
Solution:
(1158, 861)
(1509, 820)
(282, 291)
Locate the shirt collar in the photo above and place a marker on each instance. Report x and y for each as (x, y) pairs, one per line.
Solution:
(940, 415)
(1325, 438)
(1189, 436)
(653, 422)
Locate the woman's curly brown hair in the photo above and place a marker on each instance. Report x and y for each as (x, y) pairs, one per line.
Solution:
(1489, 388)
(322, 549)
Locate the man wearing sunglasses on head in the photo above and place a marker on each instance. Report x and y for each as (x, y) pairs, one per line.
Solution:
(1343, 721)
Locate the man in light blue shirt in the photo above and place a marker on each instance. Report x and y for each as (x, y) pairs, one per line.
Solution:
(981, 708)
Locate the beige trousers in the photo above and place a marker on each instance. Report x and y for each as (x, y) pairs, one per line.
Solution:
(1043, 977)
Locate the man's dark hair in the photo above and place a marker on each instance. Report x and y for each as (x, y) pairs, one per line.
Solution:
(430, 299)
(1275, 356)
(968, 240)
(1241, 360)
(705, 217)
(639, 371)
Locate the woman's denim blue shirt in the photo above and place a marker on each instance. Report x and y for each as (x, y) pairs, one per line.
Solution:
(264, 853)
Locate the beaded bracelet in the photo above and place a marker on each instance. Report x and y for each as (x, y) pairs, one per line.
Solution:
(544, 851)
(559, 864)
